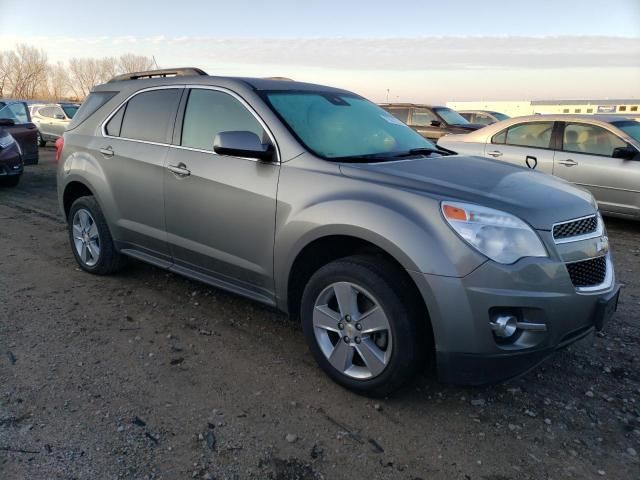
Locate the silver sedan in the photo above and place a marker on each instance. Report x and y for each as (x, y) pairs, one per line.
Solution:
(599, 153)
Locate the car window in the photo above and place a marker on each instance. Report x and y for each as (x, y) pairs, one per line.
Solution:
(210, 112)
(499, 137)
(401, 114)
(450, 116)
(45, 112)
(70, 110)
(149, 115)
(630, 127)
(343, 126)
(114, 125)
(422, 117)
(534, 134)
(92, 103)
(590, 140)
(14, 111)
(469, 117)
(482, 119)
(57, 111)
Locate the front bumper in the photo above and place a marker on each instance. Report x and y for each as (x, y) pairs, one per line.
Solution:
(537, 290)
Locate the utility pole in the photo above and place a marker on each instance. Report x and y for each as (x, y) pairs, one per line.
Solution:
(387, 95)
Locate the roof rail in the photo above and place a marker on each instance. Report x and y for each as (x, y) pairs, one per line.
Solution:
(163, 73)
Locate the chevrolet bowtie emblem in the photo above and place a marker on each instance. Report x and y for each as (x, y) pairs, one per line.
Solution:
(602, 244)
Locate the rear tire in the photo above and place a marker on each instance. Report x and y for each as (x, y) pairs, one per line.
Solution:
(90, 238)
(11, 181)
(369, 361)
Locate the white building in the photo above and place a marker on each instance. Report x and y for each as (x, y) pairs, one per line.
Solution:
(516, 108)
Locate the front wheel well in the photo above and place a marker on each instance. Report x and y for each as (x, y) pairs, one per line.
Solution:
(72, 192)
(327, 249)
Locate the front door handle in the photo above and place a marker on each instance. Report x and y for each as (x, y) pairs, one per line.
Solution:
(107, 151)
(495, 154)
(180, 170)
(568, 162)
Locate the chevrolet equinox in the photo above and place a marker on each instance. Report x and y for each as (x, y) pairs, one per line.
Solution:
(394, 255)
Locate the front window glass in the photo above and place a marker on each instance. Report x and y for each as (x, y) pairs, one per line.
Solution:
(630, 127)
(70, 110)
(337, 125)
(210, 112)
(537, 135)
(451, 116)
(590, 140)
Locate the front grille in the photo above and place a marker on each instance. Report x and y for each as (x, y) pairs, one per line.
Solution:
(575, 228)
(588, 272)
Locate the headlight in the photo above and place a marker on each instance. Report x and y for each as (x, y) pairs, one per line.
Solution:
(498, 235)
(6, 140)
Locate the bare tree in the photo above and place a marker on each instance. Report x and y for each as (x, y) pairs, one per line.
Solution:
(129, 62)
(27, 71)
(58, 81)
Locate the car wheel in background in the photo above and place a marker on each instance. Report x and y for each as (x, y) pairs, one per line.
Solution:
(91, 240)
(360, 322)
(11, 181)
(40, 140)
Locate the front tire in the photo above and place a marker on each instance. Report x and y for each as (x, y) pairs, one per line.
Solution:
(90, 238)
(361, 324)
(11, 181)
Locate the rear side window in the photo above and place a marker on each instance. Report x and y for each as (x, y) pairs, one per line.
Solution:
(401, 114)
(91, 104)
(115, 124)
(210, 112)
(535, 134)
(149, 115)
(421, 117)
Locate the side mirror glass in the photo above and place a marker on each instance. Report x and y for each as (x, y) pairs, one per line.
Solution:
(436, 123)
(7, 122)
(625, 153)
(242, 144)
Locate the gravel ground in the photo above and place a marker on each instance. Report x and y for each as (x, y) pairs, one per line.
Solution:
(148, 375)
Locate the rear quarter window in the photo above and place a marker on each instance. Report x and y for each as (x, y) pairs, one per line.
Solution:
(91, 104)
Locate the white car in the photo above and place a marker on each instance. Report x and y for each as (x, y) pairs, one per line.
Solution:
(600, 153)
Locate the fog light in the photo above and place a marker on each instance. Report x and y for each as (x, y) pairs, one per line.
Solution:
(504, 326)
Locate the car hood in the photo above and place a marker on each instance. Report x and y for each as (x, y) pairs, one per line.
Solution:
(538, 198)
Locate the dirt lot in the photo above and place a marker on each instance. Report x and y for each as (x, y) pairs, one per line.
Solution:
(148, 375)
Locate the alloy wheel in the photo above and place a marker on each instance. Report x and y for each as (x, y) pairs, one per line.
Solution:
(352, 330)
(86, 237)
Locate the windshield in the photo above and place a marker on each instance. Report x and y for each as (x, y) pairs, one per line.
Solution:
(630, 127)
(500, 116)
(70, 110)
(451, 116)
(338, 126)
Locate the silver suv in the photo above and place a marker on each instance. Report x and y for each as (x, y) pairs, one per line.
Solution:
(393, 255)
(52, 120)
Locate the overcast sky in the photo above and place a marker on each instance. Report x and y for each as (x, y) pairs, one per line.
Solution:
(427, 51)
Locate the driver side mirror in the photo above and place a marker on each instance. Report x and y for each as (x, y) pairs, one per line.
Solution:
(7, 122)
(626, 153)
(242, 144)
(436, 123)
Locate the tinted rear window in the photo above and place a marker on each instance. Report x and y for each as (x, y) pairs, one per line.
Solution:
(149, 115)
(92, 103)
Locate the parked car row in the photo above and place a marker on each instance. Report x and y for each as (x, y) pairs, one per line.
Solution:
(597, 152)
(393, 254)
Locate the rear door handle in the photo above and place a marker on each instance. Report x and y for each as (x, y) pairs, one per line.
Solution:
(568, 162)
(107, 151)
(495, 154)
(180, 170)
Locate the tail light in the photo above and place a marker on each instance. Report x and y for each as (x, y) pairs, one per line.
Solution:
(59, 147)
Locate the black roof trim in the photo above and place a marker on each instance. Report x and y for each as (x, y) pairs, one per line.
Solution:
(162, 73)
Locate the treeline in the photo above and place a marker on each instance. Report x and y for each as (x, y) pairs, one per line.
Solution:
(26, 73)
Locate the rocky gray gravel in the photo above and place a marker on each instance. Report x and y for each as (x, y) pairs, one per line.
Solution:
(146, 375)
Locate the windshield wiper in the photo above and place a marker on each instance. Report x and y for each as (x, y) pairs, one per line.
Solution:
(423, 151)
